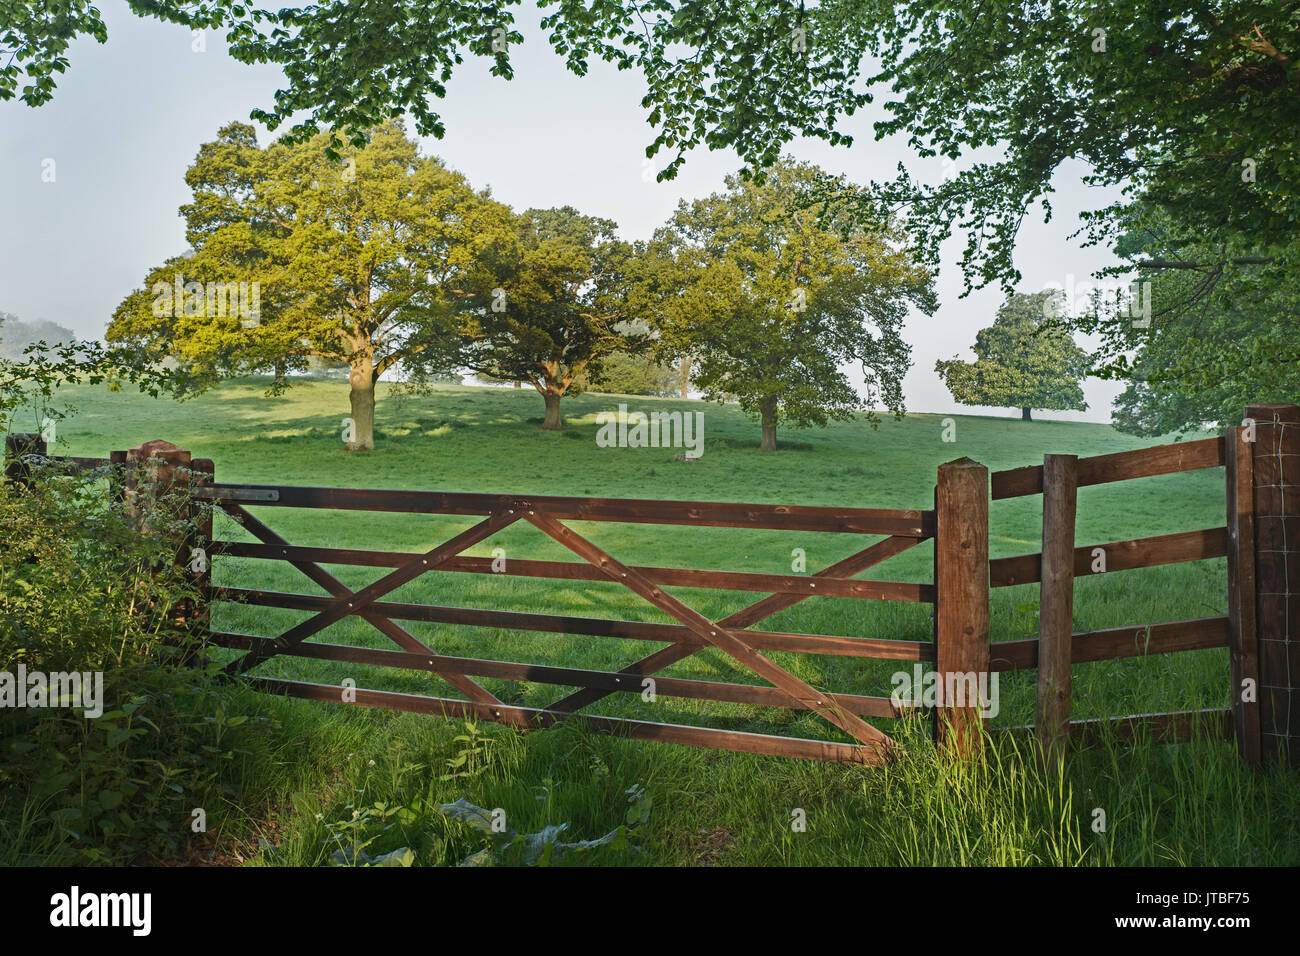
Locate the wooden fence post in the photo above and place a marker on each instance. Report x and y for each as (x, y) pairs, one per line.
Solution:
(1243, 659)
(1275, 465)
(961, 630)
(16, 446)
(155, 472)
(1056, 604)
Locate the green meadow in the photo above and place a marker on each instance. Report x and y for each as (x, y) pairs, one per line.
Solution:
(1192, 804)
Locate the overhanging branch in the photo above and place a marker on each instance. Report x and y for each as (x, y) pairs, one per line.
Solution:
(1178, 264)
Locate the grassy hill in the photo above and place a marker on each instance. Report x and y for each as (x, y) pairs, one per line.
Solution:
(1165, 804)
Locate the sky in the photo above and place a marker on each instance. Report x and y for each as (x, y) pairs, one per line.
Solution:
(93, 180)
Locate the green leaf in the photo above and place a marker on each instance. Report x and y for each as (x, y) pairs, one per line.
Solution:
(465, 812)
(402, 856)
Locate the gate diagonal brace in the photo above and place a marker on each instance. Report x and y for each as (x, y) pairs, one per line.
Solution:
(354, 603)
(337, 589)
(746, 617)
(718, 636)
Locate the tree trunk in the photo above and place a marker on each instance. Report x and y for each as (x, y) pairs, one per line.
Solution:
(769, 424)
(518, 385)
(686, 376)
(553, 421)
(279, 374)
(1025, 416)
(362, 380)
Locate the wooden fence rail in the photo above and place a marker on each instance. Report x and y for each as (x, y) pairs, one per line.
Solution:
(1120, 466)
(1260, 540)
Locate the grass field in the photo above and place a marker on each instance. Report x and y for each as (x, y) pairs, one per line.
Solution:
(1192, 804)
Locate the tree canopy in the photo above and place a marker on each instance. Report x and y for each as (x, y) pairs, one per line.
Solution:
(1022, 361)
(1169, 104)
(1218, 338)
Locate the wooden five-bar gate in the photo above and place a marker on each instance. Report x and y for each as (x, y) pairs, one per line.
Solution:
(1261, 532)
(692, 633)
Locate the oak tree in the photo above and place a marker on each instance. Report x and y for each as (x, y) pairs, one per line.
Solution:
(1023, 360)
(552, 307)
(774, 293)
(371, 261)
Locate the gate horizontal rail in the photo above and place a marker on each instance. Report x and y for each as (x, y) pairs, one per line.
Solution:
(717, 514)
(1119, 556)
(576, 571)
(719, 691)
(1115, 643)
(1178, 727)
(532, 717)
(830, 645)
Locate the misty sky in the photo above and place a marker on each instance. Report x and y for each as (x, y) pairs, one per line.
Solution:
(128, 118)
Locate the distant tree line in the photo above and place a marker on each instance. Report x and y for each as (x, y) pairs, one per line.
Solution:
(16, 334)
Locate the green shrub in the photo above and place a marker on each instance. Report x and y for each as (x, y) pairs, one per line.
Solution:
(75, 578)
(81, 591)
